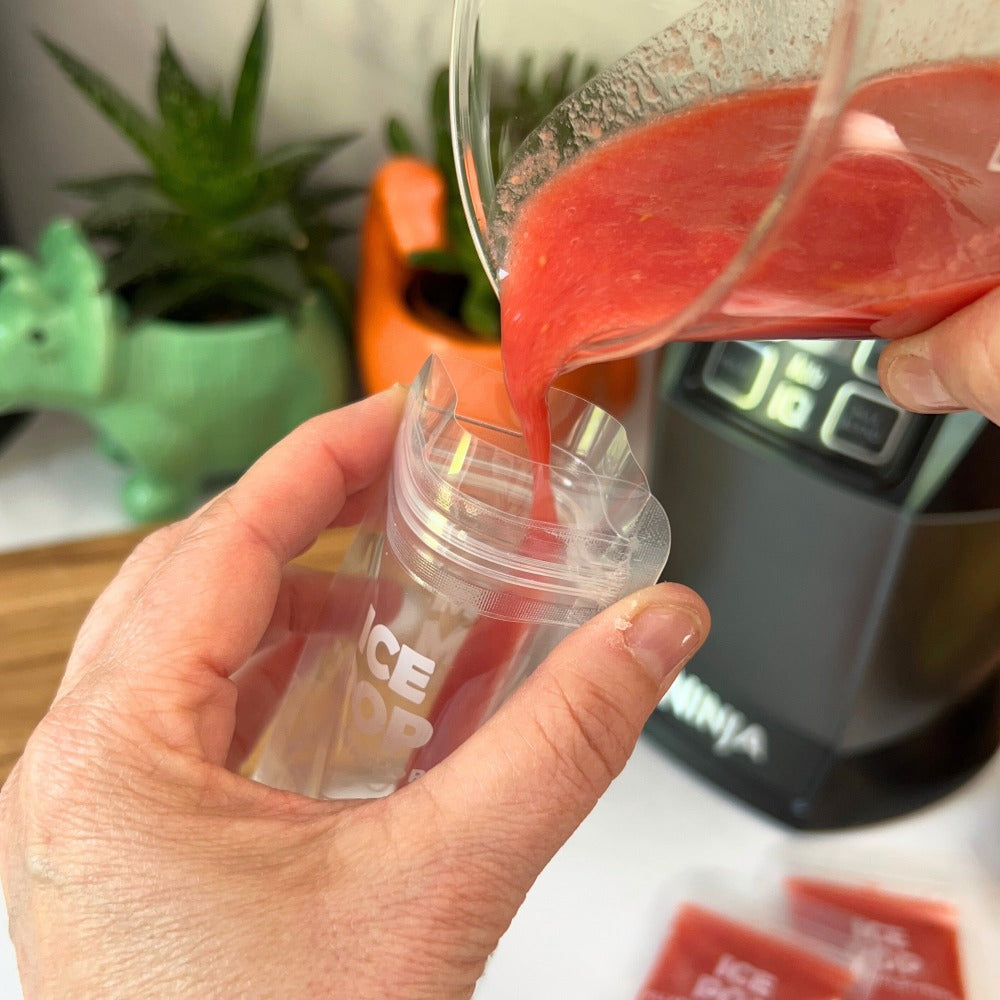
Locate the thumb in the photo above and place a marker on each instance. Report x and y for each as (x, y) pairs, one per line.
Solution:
(953, 366)
(522, 784)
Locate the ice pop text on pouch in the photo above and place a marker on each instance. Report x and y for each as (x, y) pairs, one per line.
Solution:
(731, 979)
(735, 980)
(404, 673)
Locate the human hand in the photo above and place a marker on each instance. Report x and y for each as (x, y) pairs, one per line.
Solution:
(953, 366)
(136, 865)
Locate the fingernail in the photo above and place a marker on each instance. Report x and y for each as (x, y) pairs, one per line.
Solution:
(391, 390)
(663, 638)
(913, 383)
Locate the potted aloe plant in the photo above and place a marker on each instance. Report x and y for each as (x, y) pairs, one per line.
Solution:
(422, 288)
(212, 320)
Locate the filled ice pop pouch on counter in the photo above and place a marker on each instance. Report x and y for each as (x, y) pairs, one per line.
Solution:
(916, 920)
(711, 956)
(915, 941)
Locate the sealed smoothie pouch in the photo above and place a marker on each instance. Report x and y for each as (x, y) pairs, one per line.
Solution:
(710, 955)
(462, 578)
(916, 940)
(913, 920)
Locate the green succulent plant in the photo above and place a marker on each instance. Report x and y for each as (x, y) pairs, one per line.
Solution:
(520, 100)
(216, 227)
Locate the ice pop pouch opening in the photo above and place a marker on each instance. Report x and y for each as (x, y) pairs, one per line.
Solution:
(455, 588)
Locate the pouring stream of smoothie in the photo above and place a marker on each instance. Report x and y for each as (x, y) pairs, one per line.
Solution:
(897, 222)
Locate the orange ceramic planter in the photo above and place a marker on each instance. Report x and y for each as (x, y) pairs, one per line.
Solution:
(406, 213)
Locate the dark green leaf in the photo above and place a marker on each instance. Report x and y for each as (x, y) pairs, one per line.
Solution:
(305, 156)
(563, 76)
(175, 90)
(128, 207)
(201, 244)
(117, 108)
(117, 231)
(273, 226)
(193, 119)
(552, 83)
(525, 68)
(322, 233)
(203, 187)
(439, 261)
(279, 173)
(253, 297)
(504, 147)
(398, 138)
(441, 120)
(97, 188)
(164, 295)
(320, 196)
(337, 289)
(140, 258)
(204, 243)
(249, 85)
(277, 274)
(481, 311)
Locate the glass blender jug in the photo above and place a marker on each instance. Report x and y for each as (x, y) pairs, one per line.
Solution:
(859, 141)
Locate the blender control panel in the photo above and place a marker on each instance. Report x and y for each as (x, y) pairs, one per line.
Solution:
(819, 397)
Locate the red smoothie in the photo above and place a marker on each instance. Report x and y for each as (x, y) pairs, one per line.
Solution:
(915, 941)
(901, 219)
(707, 957)
(469, 690)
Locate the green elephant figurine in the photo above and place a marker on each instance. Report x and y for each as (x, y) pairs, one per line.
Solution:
(183, 406)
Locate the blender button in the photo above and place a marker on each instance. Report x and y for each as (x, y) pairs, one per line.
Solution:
(863, 424)
(740, 372)
(865, 360)
(791, 406)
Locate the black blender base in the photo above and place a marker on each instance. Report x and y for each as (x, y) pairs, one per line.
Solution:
(862, 788)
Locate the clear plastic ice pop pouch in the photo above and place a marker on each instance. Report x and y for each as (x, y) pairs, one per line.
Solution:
(454, 588)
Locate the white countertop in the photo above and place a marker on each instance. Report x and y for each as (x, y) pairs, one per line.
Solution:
(55, 486)
(588, 925)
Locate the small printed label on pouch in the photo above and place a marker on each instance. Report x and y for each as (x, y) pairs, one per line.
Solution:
(897, 960)
(737, 980)
(397, 673)
(731, 979)
(692, 702)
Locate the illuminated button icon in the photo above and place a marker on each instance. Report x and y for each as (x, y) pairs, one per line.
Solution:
(739, 372)
(863, 424)
(807, 370)
(791, 406)
(865, 360)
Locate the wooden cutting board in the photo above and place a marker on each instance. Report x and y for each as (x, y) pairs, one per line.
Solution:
(45, 593)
